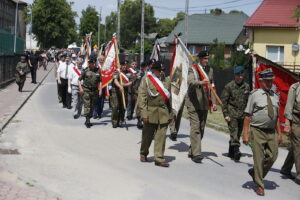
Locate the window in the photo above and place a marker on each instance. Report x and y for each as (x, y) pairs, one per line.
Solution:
(275, 53)
(192, 49)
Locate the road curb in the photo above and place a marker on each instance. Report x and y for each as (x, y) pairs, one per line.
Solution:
(8, 120)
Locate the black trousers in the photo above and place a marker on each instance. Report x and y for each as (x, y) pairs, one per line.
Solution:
(33, 73)
(63, 90)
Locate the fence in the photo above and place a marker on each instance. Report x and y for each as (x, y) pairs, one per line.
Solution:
(7, 69)
(7, 44)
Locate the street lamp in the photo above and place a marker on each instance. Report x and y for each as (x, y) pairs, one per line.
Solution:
(16, 20)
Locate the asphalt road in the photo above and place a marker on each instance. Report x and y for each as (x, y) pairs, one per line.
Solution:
(61, 156)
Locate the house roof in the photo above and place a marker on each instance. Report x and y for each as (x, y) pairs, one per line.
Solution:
(204, 28)
(274, 13)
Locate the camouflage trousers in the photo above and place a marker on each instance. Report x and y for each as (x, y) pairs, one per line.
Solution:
(235, 127)
(20, 80)
(118, 111)
(89, 100)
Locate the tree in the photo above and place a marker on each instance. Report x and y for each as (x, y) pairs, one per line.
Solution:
(165, 26)
(297, 13)
(217, 49)
(131, 21)
(53, 23)
(179, 17)
(89, 21)
(111, 25)
(236, 12)
(216, 11)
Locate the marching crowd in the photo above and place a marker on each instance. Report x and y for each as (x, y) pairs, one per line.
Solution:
(146, 90)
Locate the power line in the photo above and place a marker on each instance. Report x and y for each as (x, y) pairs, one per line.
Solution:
(202, 10)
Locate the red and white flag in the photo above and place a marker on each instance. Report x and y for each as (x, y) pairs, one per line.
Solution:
(283, 79)
(159, 86)
(109, 65)
(124, 77)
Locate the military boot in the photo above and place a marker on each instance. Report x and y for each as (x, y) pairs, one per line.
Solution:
(230, 151)
(87, 122)
(237, 153)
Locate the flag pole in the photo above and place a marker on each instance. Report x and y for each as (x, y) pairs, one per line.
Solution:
(121, 81)
(193, 59)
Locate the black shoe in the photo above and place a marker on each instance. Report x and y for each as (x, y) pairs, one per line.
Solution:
(115, 125)
(69, 107)
(230, 152)
(237, 153)
(95, 117)
(87, 122)
(197, 159)
(173, 136)
(64, 106)
(34, 82)
(129, 118)
(76, 116)
(288, 175)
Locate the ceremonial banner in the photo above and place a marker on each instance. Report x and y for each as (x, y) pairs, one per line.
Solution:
(155, 51)
(109, 65)
(282, 81)
(179, 74)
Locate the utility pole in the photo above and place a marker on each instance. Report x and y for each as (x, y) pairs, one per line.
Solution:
(31, 28)
(186, 22)
(142, 32)
(119, 21)
(16, 23)
(99, 24)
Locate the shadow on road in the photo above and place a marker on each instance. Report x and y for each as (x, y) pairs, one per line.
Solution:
(180, 147)
(27, 91)
(167, 158)
(269, 185)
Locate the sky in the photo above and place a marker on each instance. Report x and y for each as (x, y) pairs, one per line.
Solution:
(169, 8)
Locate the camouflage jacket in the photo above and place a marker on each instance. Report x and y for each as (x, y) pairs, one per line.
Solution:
(235, 98)
(91, 78)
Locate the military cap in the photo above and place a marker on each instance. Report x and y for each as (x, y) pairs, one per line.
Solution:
(157, 65)
(92, 60)
(238, 70)
(203, 54)
(266, 74)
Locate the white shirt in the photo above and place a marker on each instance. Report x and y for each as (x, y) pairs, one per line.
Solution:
(62, 69)
(73, 76)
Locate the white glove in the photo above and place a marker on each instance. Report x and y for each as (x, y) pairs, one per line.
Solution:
(69, 90)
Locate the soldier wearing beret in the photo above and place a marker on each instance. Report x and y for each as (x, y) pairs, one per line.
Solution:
(197, 101)
(292, 129)
(234, 98)
(21, 70)
(262, 117)
(91, 89)
(154, 95)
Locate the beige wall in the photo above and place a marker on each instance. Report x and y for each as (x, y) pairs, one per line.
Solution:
(260, 38)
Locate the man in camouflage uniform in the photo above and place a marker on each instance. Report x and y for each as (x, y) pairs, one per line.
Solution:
(292, 128)
(116, 99)
(262, 116)
(132, 91)
(21, 70)
(155, 112)
(91, 89)
(234, 98)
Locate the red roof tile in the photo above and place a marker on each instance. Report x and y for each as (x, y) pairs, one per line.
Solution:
(274, 13)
